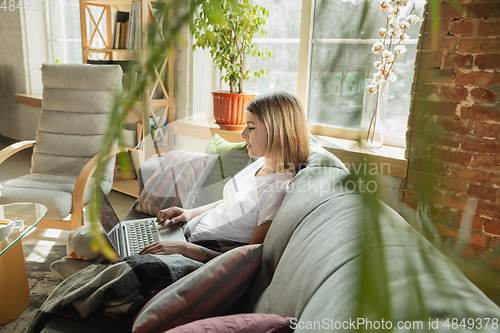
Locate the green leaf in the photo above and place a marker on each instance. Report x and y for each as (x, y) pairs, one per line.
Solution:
(242, 19)
(364, 15)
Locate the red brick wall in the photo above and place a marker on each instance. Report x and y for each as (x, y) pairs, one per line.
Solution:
(453, 138)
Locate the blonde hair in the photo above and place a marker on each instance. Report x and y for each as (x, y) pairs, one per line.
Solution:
(286, 125)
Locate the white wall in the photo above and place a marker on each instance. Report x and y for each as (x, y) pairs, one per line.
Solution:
(19, 122)
(182, 79)
(203, 82)
(11, 71)
(35, 44)
(194, 78)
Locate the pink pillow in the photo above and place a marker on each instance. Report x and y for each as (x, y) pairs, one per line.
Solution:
(238, 323)
(176, 181)
(211, 290)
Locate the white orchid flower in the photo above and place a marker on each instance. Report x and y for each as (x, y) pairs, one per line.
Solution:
(393, 12)
(377, 47)
(377, 77)
(388, 56)
(372, 89)
(384, 4)
(412, 19)
(395, 32)
(392, 77)
(394, 23)
(399, 50)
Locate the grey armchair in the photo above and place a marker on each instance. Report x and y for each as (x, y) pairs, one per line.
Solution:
(76, 106)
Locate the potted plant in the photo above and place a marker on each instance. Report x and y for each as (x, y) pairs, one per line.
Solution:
(229, 39)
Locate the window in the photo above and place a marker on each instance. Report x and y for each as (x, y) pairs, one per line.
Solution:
(63, 32)
(283, 41)
(317, 54)
(335, 61)
(49, 35)
(341, 62)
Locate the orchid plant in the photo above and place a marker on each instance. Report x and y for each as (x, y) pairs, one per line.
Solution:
(394, 34)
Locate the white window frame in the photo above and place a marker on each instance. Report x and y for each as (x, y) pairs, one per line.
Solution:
(37, 45)
(48, 29)
(304, 75)
(34, 48)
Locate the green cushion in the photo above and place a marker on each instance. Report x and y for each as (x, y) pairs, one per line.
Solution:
(217, 145)
(233, 157)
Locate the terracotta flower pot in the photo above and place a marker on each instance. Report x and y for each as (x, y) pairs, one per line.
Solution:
(229, 109)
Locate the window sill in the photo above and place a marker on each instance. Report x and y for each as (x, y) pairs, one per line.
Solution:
(31, 100)
(389, 160)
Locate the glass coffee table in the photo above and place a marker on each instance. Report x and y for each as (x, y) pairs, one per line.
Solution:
(14, 287)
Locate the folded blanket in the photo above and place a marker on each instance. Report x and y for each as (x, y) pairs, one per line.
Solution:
(115, 290)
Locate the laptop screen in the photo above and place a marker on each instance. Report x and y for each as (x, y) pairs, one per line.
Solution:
(107, 216)
(108, 219)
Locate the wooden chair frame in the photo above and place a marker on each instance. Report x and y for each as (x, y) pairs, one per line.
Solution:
(78, 197)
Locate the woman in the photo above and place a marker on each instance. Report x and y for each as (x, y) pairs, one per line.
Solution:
(277, 134)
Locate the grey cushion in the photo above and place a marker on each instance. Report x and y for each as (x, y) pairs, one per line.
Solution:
(76, 107)
(312, 259)
(320, 157)
(52, 191)
(68, 136)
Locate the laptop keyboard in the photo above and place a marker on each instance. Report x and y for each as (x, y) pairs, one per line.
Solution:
(113, 238)
(140, 235)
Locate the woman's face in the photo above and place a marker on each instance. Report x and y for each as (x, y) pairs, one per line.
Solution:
(255, 135)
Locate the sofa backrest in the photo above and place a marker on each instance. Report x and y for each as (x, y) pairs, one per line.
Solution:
(320, 157)
(76, 108)
(320, 245)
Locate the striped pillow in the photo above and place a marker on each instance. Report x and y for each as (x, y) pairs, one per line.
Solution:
(212, 290)
(238, 323)
(176, 181)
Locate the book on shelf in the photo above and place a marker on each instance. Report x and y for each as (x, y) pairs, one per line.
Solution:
(134, 32)
(123, 34)
(116, 35)
(120, 31)
(127, 28)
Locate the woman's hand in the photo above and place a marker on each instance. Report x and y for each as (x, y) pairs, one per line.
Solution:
(188, 250)
(174, 214)
(165, 247)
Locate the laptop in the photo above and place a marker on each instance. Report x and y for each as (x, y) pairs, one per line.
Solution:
(130, 237)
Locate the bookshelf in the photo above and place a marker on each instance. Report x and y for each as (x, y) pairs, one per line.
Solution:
(97, 19)
(97, 27)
